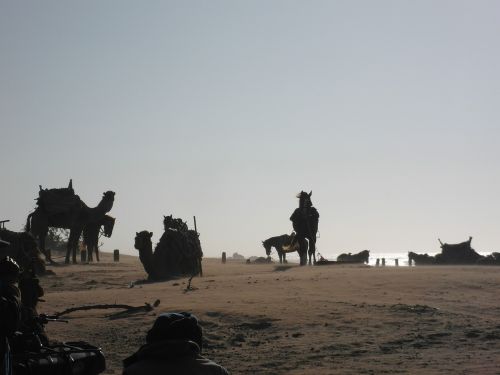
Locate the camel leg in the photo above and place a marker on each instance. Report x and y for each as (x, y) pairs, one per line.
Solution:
(73, 254)
(41, 241)
(90, 250)
(68, 248)
(74, 236)
(68, 251)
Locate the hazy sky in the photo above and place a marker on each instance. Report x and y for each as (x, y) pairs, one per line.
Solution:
(389, 111)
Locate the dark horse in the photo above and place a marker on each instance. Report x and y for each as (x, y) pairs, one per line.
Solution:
(278, 243)
(305, 224)
(91, 233)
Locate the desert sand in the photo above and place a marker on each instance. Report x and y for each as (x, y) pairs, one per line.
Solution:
(272, 319)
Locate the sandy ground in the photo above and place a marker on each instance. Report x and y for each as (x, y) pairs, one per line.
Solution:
(268, 319)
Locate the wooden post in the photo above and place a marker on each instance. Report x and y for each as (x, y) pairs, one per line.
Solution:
(83, 256)
(383, 262)
(223, 257)
(397, 262)
(378, 262)
(116, 255)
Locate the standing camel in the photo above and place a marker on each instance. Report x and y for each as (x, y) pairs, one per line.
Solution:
(305, 223)
(61, 208)
(91, 233)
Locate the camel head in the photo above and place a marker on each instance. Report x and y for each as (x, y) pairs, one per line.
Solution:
(143, 240)
(108, 195)
(108, 198)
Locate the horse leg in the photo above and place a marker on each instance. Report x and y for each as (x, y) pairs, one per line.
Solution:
(303, 251)
(284, 258)
(312, 251)
(280, 254)
(97, 252)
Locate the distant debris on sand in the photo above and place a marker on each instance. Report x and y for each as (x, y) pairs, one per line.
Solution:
(259, 260)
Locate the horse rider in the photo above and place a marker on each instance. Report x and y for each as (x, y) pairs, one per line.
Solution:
(173, 346)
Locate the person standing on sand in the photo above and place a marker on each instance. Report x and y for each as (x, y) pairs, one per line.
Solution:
(173, 346)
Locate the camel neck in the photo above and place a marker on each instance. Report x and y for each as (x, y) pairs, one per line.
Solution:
(149, 247)
(104, 206)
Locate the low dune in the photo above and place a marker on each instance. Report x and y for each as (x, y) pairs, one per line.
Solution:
(271, 319)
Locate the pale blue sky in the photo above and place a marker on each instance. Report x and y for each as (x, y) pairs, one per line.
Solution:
(388, 110)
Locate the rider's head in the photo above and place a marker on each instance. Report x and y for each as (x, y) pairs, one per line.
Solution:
(175, 326)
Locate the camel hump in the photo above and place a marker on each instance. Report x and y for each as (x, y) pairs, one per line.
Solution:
(58, 200)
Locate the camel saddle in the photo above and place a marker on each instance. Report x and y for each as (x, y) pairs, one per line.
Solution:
(56, 201)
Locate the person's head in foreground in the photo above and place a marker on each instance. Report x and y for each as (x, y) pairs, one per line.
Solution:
(173, 346)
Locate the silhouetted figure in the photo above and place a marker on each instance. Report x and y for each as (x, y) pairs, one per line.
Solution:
(10, 313)
(305, 223)
(62, 208)
(281, 244)
(177, 253)
(461, 253)
(91, 233)
(173, 346)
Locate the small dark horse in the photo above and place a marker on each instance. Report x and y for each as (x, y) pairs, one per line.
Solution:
(91, 234)
(278, 242)
(361, 257)
(305, 223)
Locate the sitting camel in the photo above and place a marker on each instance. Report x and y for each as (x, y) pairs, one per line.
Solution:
(461, 253)
(361, 257)
(176, 254)
(421, 259)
